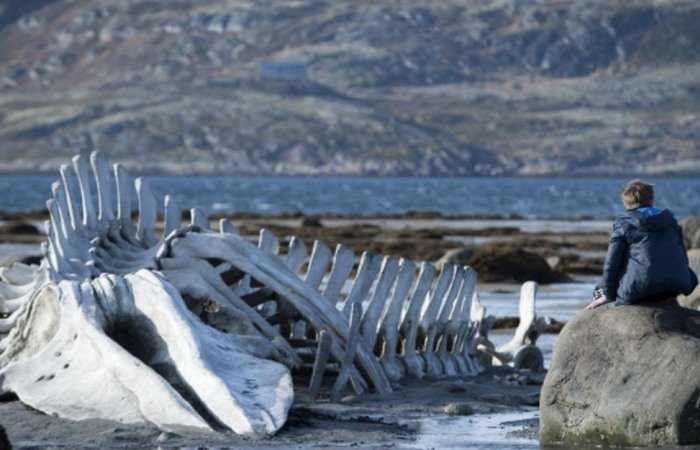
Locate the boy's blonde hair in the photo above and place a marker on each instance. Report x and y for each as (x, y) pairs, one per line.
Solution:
(636, 194)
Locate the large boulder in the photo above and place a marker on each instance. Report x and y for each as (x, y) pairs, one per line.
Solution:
(505, 263)
(625, 375)
(692, 301)
(691, 231)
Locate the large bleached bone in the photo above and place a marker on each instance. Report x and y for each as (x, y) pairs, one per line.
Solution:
(443, 295)
(389, 330)
(318, 264)
(413, 362)
(19, 274)
(480, 345)
(134, 337)
(285, 308)
(195, 278)
(149, 356)
(324, 349)
(343, 260)
(521, 351)
(68, 366)
(375, 306)
(104, 186)
(82, 172)
(366, 275)
(464, 350)
(243, 392)
(147, 214)
(453, 322)
(353, 343)
(272, 272)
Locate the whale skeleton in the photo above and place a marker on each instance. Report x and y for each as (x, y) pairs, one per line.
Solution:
(190, 326)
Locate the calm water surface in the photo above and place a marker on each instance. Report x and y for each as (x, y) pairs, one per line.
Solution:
(526, 197)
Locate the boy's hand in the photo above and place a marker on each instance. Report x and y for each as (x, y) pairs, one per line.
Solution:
(598, 302)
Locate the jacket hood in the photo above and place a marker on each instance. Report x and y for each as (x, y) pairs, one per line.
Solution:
(656, 222)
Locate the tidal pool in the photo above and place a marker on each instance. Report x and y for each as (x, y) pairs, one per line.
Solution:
(480, 431)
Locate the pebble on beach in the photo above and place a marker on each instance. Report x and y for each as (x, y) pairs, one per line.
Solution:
(458, 409)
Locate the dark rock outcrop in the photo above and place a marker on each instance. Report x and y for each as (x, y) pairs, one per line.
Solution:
(311, 222)
(502, 263)
(626, 376)
(19, 227)
(457, 257)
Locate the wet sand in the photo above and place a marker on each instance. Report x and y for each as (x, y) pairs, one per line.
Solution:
(409, 418)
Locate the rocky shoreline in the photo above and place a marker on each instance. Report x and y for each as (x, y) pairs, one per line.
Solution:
(419, 235)
(367, 420)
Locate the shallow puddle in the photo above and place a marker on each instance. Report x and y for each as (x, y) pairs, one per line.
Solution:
(481, 431)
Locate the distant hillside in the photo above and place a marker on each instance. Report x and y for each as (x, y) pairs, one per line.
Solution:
(385, 87)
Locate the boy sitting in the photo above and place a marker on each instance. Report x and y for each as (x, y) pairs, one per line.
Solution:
(646, 259)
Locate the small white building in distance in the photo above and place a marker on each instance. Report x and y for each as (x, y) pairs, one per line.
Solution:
(283, 70)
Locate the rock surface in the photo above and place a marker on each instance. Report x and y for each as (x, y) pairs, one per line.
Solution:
(691, 231)
(625, 376)
(692, 301)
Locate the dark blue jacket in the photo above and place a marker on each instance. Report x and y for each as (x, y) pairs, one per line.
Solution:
(646, 256)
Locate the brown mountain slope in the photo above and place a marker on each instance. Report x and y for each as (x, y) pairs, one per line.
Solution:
(362, 87)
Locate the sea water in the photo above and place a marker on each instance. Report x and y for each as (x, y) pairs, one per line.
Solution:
(503, 196)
